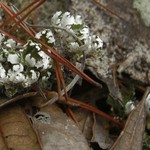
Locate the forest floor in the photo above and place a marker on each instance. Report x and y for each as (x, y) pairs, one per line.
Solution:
(127, 41)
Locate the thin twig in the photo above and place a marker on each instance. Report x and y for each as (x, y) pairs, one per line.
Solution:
(68, 87)
(52, 53)
(19, 97)
(55, 27)
(108, 9)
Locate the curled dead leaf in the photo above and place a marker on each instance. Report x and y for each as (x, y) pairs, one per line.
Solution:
(100, 133)
(131, 138)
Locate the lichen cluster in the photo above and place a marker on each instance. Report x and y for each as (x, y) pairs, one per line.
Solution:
(23, 65)
(20, 68)
(75, 34)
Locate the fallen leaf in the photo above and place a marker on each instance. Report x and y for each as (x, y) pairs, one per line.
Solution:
(57, 131)
(3, 145)
(86, 121)
(131, 138)
(16, 130)
(100, 133)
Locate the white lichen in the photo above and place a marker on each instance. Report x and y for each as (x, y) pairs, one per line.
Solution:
(28, 65)
(13, 58)
(129, 107)
(48, 35)
(22, 68)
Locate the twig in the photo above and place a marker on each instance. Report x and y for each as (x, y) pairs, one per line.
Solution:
(69, 86)
(108, 9)
(19, 97)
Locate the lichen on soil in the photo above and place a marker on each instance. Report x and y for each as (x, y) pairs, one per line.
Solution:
(125, 37)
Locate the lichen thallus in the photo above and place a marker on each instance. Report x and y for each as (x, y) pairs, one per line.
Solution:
(58, 59)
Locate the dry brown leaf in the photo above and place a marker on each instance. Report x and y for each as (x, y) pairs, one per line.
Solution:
(16, 130)
(3, 145)
(100, 133)
(131, 137)
(86, 121)
(57, 131)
